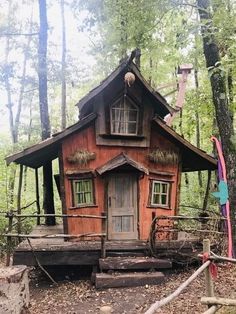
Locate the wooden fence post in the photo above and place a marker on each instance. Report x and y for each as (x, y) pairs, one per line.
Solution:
(208, 278)
(103, 238)
(9, 238)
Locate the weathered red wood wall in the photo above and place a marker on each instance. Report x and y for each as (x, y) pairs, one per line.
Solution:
(85, 140)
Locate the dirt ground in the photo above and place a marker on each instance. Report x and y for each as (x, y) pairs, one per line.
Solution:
(74, 294)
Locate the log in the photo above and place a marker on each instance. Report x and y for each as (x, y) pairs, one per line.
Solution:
(14, 289)
(218, 301)
(115, 280)
(123, 263)
(155, 306)
(213, 309)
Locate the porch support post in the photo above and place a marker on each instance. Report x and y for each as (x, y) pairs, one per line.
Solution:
(19, 198)
(62, 190)
(37, 194)
(48, 202)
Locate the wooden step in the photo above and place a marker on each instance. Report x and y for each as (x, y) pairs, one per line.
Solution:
(134, 263)
(115, 280)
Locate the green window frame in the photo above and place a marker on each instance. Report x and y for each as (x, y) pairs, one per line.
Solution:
(83, 192)
(160, 193)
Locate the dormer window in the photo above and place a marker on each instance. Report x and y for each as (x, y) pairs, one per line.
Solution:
(124, 117)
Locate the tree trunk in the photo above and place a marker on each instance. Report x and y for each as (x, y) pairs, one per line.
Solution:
(218, 85)
(11, 181)
(198, 138)
(42, 70)
(63, 69)
(48, 202)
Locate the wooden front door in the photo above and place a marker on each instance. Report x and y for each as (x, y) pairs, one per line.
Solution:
(122, 207)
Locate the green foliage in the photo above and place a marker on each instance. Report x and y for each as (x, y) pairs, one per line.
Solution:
(168, 34)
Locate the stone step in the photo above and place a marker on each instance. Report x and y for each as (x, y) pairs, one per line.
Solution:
(134, 263)
(115, 280)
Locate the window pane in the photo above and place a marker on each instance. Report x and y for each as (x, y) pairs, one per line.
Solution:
(124, 118)
(116, 224)
(157, 187)
(127, 224)
(83, 192)
(163, 199)
(133, 115)
(160, 193)
(132, 128)
(164, 188)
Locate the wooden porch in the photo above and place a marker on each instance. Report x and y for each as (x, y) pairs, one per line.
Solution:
(57, 251)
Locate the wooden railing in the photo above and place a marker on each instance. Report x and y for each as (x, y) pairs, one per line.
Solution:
(170, 226)
(11, 215)
(213, 303)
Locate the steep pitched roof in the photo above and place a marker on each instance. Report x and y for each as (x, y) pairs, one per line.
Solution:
(117, 76)
(38, 154)
(193, 158)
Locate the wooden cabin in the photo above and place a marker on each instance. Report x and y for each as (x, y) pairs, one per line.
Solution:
(120, 159)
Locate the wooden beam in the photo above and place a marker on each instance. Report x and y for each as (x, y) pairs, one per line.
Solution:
(218, 301)
(103, 280)
(51, 257)
(48, 202)
(59, 215)
(19, 198)
(51, 236)
(123, 263)
(103, 238)
(37, 194)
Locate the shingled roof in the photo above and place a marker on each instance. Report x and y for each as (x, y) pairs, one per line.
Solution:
(117, 78)
(37, 155)
(193, 158)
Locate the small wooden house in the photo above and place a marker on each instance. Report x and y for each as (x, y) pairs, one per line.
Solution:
(120, 159)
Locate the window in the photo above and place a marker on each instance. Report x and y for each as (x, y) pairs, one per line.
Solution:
(83, 193)
(160, 193)
(124, 117)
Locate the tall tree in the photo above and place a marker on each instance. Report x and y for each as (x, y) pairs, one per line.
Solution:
(42, 70)
(63, 67)
(224, 116)
(48, 203)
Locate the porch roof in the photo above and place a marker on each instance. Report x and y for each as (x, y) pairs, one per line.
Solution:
(121, 160)
(193, 158)
(37, 155)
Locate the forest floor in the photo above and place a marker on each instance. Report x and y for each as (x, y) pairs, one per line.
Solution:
(76, 295)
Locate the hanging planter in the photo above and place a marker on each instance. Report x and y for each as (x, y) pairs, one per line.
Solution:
(164, 157)
(81, 157)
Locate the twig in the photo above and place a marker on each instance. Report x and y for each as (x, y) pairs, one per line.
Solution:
(155, 306)
(39, 264)
(213, 309)
(219, 258)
